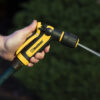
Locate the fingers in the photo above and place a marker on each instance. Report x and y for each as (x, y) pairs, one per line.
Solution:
(46, 50)
(34, 60)
(30, 64)
(38, 56)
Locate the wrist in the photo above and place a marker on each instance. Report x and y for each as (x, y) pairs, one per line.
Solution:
(2, 41)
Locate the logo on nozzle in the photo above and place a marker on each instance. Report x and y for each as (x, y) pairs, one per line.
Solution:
(32, 50)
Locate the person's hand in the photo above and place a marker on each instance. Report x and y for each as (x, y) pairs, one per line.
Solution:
(16, 39)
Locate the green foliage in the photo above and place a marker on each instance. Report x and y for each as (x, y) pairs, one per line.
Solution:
(65, 73)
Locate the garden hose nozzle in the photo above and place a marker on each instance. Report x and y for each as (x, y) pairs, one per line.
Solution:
(37, 42)
(41, 38)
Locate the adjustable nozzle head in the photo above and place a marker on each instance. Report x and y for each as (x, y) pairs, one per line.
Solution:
(70, 40)
(65, 38)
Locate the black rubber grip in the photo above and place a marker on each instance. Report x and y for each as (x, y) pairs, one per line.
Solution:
(68, 39)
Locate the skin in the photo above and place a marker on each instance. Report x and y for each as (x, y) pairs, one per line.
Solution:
(9, 44)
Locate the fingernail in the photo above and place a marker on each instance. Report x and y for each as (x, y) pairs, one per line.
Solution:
(34, 21)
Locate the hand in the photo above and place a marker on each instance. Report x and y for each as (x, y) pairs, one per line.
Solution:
(16, 39)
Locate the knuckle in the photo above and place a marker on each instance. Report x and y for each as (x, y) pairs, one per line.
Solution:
(32, 59)
(42, 55)
(36, 61)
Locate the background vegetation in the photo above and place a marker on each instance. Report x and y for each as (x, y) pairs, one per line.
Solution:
(65, 73)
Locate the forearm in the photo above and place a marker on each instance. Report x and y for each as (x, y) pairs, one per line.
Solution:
(1, 45)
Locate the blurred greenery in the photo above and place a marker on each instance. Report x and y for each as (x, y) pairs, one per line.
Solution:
(65, 73)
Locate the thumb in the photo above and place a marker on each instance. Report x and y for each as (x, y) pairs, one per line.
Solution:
(27, 31)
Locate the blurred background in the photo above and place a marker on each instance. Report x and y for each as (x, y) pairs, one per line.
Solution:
(65, 73)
